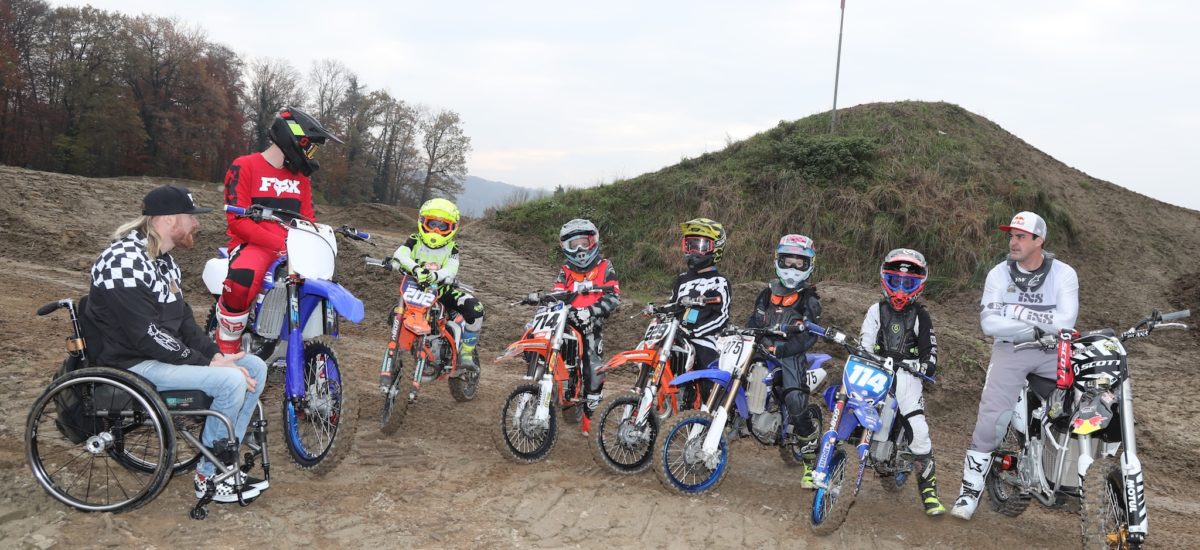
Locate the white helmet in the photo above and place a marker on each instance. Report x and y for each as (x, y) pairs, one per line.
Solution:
(580, 242)
(794, 260)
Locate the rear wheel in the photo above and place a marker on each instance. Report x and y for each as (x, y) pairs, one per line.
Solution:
(313, 423)
(831, 504)
(86, 419)
(1105, 514)
(464, 385)
(1004, 491)
(521, 437)
(624, 443)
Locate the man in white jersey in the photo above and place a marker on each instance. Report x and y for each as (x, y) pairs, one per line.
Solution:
(1028, 295)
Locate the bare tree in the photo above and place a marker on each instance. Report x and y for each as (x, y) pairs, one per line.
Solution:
(330, 80)
(445, 147)
(272, 84)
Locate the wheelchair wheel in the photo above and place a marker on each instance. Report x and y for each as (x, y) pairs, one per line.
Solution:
(86, 419)
(186, 456)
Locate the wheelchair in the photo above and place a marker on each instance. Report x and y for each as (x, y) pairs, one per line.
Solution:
(101, 439)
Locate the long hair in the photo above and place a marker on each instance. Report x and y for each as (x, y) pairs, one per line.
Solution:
(144, 224)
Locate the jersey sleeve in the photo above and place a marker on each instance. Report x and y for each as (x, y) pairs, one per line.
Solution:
(610, 302)
(926, 342)
(404, 255)
(870, 327)
(990, 319)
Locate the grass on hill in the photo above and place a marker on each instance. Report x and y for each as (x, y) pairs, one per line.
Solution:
(929, 176)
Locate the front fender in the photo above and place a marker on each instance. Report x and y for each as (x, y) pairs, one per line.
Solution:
(645, 356)
(865, 413)
(343, 301)
(540, 346)
(719, 377)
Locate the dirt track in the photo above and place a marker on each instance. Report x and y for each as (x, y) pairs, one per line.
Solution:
(441, 483)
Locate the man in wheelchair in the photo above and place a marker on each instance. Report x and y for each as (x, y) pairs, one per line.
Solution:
(140, 322)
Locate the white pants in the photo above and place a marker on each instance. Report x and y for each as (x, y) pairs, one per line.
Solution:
(910, 403)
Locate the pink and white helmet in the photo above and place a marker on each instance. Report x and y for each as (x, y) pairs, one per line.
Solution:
(794, 260)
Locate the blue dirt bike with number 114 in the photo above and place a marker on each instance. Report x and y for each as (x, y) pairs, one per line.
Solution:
(300, 312)
(862, 413)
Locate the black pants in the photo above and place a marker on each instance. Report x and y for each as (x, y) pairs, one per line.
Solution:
(794, 387)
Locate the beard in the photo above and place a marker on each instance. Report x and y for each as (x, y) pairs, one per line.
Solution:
(185, 240)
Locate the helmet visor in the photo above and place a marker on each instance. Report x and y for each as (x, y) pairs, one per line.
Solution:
(697, 245)
(437, 225)
(576, 243)
(902, 282)
(794, 261)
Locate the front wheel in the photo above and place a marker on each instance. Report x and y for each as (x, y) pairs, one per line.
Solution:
(521, 436)
(832, 503)
(624, 443)
(680, 462)
(1105, 515)
(314, 421)
(395, 401)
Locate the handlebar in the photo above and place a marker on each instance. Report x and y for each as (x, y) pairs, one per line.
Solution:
(537, 299)
(853, 346)
(258, 213)
(54, 306)
(1141, 329)
(1176, 315)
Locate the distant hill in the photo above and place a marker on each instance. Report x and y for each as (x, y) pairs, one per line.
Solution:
(931, 176)
(479, 194)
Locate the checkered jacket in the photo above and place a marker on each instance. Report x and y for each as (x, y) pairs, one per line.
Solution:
(137, 309)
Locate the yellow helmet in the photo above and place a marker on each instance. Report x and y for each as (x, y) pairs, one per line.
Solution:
(703, 242)
(437, 222)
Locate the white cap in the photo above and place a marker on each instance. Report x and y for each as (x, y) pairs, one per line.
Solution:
(1027, 222)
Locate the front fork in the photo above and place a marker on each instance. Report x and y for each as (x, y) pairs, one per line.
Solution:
(1131, 470)
(716, 428)
(294, 373)
(828, 441)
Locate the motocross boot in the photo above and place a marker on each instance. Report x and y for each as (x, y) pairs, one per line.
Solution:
(466, 350)
(927, 485)
(229, 329)
(975, 469)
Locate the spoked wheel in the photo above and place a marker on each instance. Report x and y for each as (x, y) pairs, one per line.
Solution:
(464, 384)
(1105, 514)
(82, 422)
(521, 437)
(313, 423)
(186, 456)
(395, 401)
(623, 444)
(680, 462)
(831, 504)
(1004, 493)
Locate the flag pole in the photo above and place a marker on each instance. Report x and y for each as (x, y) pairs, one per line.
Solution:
(837, 71)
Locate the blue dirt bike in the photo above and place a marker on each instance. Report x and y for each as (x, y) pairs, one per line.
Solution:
(692, 456)
(862, 413)
(299, 311)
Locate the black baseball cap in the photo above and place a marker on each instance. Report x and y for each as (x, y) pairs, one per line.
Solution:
(168, 199)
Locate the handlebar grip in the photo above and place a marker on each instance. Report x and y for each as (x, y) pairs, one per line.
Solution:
(363, 235)
(376, 261)
(815, 328)
(1177, 315)
(50, 307)
(235, 210)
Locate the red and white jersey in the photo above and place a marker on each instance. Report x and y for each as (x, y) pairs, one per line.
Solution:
(252, 180)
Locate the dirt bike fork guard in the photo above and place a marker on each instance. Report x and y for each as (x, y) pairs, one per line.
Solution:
(1066, 376)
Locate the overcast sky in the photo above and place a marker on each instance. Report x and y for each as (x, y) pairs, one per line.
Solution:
(567, 93)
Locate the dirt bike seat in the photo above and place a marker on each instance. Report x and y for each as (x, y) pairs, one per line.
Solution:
(1042, 386)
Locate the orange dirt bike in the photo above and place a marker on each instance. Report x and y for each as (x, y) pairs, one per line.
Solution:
(420, 327)
(553, 349)
(627, 423)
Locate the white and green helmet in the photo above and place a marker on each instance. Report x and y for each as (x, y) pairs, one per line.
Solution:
(580, 242)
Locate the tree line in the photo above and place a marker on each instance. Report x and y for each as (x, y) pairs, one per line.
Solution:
(97, 93)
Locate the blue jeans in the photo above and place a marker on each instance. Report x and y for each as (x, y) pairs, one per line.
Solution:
(227, 386)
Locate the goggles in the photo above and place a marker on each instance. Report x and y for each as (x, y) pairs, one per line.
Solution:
(438, 225)
(902, 282)
(577, 243)
(789, 261)
(697, 245)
